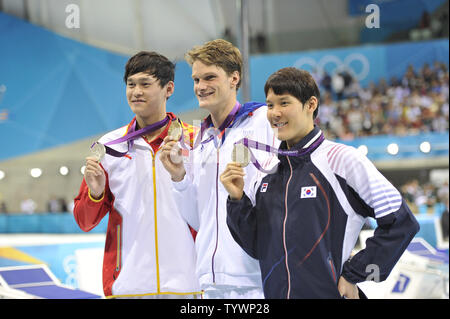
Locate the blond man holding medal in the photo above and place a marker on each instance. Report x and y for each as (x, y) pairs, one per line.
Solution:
(223, 268)
(149, 249)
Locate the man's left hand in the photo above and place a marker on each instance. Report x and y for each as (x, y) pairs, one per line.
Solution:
(347, 289)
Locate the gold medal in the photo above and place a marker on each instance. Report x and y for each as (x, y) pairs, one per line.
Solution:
(175, 130)
(240, 154)
(98, 150)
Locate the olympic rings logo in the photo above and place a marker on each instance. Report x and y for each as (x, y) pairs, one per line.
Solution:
(350, 62)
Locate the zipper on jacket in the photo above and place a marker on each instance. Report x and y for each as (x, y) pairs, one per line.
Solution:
(158, 287)
(217, 219)
(284, 230)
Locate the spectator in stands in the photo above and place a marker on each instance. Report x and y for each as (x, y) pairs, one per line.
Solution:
(353, 89)
(3, 208)
(411, 191)
(355, 118)
(338, 85)
(327, 111)
(439, 69)
(53, 205)
(325, 82)
(393, 112)
(228, 35)
(63, 205)
(440, 122)
(410, 79)
(423, 30)
(366, 93)
(28, 206)
(425, 20)
(336, 127)
(443, 193)
(261, 42)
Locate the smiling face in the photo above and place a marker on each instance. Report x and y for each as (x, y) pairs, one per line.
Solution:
(147, 99)
(292, 98)
(213, 87)
(291, 119)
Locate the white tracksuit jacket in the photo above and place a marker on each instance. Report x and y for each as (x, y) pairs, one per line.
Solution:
(202, 201)
(149, 248)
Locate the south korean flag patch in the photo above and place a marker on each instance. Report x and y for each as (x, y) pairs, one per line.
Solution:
(308, 192)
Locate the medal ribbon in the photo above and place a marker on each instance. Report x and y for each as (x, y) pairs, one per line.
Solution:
(132, 135)
(206, 125)
(269, 149)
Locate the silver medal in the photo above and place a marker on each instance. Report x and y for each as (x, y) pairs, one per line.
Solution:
(175, 130)
(98, 150)
(241, 154)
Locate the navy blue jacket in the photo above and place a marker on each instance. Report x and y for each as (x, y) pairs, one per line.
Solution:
(303, 221)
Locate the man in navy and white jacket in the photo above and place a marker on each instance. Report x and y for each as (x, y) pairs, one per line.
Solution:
(302, 221)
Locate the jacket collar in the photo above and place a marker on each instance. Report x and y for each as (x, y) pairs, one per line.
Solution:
(307, 144)
(142, 141)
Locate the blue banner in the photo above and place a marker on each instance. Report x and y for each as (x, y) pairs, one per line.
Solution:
(367, 63)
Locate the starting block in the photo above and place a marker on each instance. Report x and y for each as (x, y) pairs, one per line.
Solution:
(36, 282)
(421, 273)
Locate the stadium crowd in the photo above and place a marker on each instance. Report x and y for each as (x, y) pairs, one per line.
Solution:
(428, 199)
(425, 198)
(415, 103)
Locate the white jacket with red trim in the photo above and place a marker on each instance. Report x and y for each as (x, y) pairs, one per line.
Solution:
(149, 248)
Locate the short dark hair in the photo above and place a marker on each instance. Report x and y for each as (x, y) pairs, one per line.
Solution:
(152, 63)
(295, 82)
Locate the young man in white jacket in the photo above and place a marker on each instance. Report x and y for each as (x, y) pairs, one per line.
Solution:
(149, 249)
(223, 268)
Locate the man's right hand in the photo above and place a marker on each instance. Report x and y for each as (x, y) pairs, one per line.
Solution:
(232, 179)
(172, 160)
(95, 177)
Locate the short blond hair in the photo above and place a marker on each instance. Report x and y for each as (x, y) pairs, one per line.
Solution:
(220, 53)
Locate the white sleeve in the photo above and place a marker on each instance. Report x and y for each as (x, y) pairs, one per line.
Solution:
(185, 196)
(361, 174)
(262, 133)
(252, 188)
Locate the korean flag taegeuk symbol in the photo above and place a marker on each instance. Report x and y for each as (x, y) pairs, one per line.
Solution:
(308, 192)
